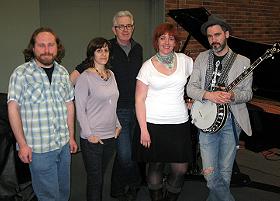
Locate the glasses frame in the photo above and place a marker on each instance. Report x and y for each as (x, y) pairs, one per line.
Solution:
(122, 27)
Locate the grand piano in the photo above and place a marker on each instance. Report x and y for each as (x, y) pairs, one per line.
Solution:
(264, 109)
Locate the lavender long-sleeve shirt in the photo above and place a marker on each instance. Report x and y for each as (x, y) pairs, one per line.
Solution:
(96, 103)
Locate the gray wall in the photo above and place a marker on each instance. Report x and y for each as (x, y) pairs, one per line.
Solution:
(18, 19)
(75, 21)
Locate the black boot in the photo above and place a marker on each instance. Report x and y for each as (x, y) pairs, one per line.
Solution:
(171, 196)
(156, 195)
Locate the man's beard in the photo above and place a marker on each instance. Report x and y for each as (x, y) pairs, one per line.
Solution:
(218, 47)
(47, 61)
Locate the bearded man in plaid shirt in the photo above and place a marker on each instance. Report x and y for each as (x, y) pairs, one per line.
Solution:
(41, 114)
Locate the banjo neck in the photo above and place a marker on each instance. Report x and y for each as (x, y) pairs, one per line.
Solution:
(269, 53)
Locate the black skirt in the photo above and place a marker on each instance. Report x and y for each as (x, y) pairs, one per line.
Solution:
(169, 143)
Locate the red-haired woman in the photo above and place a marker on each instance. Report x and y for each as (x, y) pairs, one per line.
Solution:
(164, 136)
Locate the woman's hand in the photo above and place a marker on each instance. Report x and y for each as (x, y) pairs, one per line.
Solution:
(189, 103)
(95, 139)
(145, 139)
(117, 132)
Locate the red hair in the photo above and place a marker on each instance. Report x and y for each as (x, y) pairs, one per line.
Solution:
(162, 29)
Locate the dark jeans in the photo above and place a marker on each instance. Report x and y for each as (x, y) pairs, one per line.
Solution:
(125, 171)
(96, 158)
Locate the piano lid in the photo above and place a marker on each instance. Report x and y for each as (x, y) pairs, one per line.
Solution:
(266, 82)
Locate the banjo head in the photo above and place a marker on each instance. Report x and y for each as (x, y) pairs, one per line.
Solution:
(203, 114)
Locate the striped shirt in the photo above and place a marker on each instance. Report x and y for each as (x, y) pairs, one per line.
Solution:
(42, 105)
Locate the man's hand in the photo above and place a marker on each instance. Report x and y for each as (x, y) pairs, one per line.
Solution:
(73, 146)
(25, 154)
(219, 97)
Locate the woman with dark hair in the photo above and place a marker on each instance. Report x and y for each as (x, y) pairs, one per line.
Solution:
(96, 95)
(162, 115)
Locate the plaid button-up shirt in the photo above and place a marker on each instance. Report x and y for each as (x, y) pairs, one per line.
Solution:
(42, 105)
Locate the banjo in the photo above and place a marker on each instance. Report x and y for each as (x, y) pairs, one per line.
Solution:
(211, 117)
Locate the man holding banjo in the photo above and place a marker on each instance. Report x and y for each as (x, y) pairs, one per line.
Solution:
(219, 111)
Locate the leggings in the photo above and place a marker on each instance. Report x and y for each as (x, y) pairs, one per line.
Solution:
(175, 178)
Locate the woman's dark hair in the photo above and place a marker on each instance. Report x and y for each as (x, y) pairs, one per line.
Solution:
(163, 29)
(93, 45)
(28, 52)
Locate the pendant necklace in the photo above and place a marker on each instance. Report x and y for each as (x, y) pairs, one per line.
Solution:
(167, 61)
(105, 78)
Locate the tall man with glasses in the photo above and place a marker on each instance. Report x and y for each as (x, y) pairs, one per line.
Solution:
(126, 60)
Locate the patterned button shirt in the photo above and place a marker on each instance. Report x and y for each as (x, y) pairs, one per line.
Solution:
(42, 105)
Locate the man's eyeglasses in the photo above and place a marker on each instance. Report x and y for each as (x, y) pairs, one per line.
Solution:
(123, 27)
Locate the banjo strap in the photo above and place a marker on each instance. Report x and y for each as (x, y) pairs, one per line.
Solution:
(226, 66)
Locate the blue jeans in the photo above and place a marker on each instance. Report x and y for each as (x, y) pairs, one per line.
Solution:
(96, 159)
(50, 173)
(218, 152)
(125, 171)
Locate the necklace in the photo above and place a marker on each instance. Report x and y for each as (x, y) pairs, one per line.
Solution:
(105, 78)
(167, 61)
